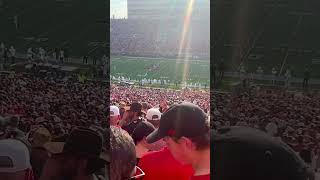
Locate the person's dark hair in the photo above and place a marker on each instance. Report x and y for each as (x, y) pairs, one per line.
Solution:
(145, 105)
(155, 123)
(123, 154)
(140, 114)
(142, 130)
(93, 165)
(13, 121)
(306, 155)
(203, 141)
(105, 124)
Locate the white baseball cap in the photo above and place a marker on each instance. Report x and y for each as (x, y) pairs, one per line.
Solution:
(14, 156)
(153, 114)
(114, 111)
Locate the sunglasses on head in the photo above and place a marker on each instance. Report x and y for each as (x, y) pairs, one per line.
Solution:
(137, 176)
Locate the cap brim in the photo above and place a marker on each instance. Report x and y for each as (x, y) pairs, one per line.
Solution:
(57, 148)
(127, 108)
(115, 115)
(54, 147)
(105, 157)
(155, 136)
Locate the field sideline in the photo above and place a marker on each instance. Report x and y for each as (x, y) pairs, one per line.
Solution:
(197, 71)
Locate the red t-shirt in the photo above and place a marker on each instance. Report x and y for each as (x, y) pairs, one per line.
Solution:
(160, 165)
(202, 177)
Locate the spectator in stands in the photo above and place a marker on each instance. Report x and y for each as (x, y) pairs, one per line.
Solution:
(221, 69)
(15, 160)
(94, 60)
(274, 75)
(287, 75)
(163, 105)
(30, 54)
(123, 156)
(61, 55)
(131, 117)
(39, 154)
(272, 128)
(66, 55)
(306, 77)
(186, 130)
(142, 130)
(305, 154)
(12, 130)
(122, 106)
(153, 116)
(317, 160)
(78, 158)
(145, 107)
(12, 54)
(114, 116)
(2, 47)
(56, 50)
(5, 55)
(167, 167)
(85, 59)
(59, 134)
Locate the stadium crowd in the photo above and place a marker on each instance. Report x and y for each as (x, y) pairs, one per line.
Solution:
(174, 144)
(288, 116)
(64, 127)
(39, 111)
(146, 117)
(57, 129)
(154, 96)
(149, 38)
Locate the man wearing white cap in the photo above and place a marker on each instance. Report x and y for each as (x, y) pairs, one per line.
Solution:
(114, 116)
(15, 160)
(153, 116)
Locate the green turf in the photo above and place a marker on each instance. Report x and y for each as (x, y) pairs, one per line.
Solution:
(171, 69)
(70, 24)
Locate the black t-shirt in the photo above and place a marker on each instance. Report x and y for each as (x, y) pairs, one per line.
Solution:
(38, 158)
(131, 126)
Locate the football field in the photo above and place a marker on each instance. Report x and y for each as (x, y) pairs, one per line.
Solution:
(136, 68)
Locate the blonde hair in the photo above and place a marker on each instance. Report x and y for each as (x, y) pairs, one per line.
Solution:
(123, 154)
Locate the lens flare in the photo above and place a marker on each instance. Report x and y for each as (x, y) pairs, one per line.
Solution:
(184, 44)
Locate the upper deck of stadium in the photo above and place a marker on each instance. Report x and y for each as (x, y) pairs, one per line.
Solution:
(268, 33)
